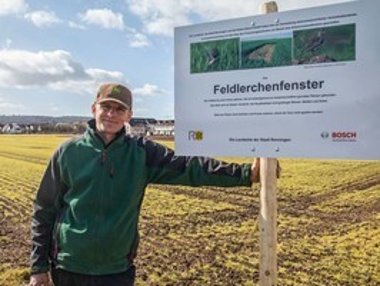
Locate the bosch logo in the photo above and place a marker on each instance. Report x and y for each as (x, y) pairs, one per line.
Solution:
(340, 136)
(343, 135)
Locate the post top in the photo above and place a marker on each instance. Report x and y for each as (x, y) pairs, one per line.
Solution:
(268, 7)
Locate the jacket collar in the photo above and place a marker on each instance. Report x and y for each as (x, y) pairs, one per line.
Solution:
(94, 134)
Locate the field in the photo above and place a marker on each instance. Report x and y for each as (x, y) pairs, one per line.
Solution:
(266, 53)
(328, 224)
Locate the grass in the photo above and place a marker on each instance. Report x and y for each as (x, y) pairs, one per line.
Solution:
(13, 276)
(328, 223)
(225, 53)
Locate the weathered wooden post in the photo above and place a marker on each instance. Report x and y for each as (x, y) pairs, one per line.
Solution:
(268, 206)
(268, 222)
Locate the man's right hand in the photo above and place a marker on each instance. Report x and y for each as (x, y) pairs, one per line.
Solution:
(255, 170)
(40, 279)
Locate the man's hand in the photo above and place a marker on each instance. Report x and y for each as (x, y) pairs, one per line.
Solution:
(255, 170)
(40, 279)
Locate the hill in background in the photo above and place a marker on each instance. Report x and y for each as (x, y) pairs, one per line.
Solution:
(38, 119)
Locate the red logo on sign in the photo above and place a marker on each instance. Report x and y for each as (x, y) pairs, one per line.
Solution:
(343, 135)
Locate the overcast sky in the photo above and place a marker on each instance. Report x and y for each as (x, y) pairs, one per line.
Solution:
(54, 54)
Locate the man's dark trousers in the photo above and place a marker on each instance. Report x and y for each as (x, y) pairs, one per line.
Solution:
(64, 278)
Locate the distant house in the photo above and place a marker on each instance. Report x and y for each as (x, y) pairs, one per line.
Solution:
(150, 127)
(64, 127)
(29, 128)
(12, 128)
(163, 128)
(141, 126)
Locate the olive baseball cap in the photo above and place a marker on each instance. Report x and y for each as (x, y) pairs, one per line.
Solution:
(116, 93)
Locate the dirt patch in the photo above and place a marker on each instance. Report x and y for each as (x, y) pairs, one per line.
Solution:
(14, 244)
(263, 52)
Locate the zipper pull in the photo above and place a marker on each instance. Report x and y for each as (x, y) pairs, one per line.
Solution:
(103, 158)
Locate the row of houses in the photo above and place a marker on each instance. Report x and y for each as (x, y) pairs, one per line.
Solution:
(137, 126)
(150, 127)
(14, 128)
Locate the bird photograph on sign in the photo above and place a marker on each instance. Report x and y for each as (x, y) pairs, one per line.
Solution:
(321, 45)
(213, 56)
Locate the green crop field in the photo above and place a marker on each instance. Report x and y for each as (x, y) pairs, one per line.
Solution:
(328, 223)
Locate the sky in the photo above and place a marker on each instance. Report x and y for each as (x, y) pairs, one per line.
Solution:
(55, 54)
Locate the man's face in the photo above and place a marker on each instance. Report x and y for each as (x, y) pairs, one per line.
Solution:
(110, 117)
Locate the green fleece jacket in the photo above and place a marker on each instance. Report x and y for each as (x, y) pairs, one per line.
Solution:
(87, 207)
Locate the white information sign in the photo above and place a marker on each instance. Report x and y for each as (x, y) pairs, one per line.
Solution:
(303, 83)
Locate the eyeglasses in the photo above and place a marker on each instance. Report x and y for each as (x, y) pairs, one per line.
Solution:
(118, 109)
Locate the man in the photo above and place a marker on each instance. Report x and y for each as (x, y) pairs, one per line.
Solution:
(85, 219)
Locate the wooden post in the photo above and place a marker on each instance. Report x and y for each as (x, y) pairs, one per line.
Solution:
(268, 7)
(267, 222)
(268, 206)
